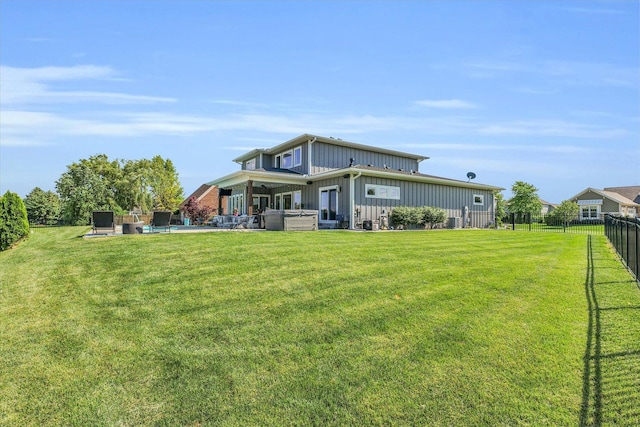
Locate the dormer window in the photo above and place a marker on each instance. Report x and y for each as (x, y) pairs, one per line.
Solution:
(250, 164)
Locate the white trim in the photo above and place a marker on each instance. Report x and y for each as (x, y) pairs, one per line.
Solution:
(478, 200)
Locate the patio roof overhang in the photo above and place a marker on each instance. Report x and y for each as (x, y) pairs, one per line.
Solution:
(259, 178)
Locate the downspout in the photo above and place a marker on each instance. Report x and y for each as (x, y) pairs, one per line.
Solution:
(310, 163)
(352, 199)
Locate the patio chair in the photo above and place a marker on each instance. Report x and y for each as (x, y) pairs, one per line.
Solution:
(103, 220)
(160, 219)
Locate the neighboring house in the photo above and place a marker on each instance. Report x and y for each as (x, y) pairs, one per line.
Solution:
(595, 203)
(347, 182)
(547, 207)
(631, 192)
(206, 195)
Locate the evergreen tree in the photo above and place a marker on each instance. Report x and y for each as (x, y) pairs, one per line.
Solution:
(14, 224)
(43, 207)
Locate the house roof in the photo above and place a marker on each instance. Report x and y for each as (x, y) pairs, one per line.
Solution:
(545, 203)
(630, 192)
(199, 193)
(328, 140)
(285, 176)
(609, 195)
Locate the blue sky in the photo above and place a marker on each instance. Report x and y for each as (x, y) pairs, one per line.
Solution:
(546, 92)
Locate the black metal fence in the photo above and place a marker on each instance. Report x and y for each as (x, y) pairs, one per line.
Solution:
(624, 235)
(555, 223)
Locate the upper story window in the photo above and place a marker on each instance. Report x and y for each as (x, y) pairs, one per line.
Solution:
(288, 159)
(250, 164)
(297, 156)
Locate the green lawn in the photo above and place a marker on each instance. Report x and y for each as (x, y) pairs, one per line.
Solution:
(318, 328)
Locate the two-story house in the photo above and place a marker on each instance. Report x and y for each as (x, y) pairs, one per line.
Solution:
(348, 181)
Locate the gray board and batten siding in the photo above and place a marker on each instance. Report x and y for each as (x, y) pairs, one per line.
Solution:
(327, 157)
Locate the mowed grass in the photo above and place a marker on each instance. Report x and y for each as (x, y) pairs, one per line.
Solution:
(318, 328)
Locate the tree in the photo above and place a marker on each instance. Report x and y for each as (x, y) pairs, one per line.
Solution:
(194, 210)
(43, 207)
(525, 199)
(14, 224)
(134, 191)
(165, 186)
(82, 191)
(564, 214)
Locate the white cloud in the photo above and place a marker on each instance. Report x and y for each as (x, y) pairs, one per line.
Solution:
(24, 86)
(558, 72)
(506, 147)
(551, 128)
(447, 104)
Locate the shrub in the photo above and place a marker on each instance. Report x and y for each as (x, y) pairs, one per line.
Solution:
(404, 216)
(432, 216)
(14, 224)
(195, 211)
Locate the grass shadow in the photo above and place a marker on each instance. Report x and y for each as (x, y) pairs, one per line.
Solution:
(611, 373)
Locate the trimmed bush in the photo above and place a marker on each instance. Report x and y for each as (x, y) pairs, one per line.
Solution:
(432, 216)
(14, 224)
(403, 217)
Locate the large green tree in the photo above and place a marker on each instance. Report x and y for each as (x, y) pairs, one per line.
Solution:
(43, 207)
(165, 186)
(82, 191)
(525, 199)
(14, 224)
(98, 183)
(134, 190)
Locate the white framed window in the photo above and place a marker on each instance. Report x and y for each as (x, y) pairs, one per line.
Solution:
(328, 203)
(287, 159)
(590, 209)
(478, 199)
(250, 164)
(297, 156)
(381, 192)
(590, 212)
(236, 201)
(289, 200)
(297, 199)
